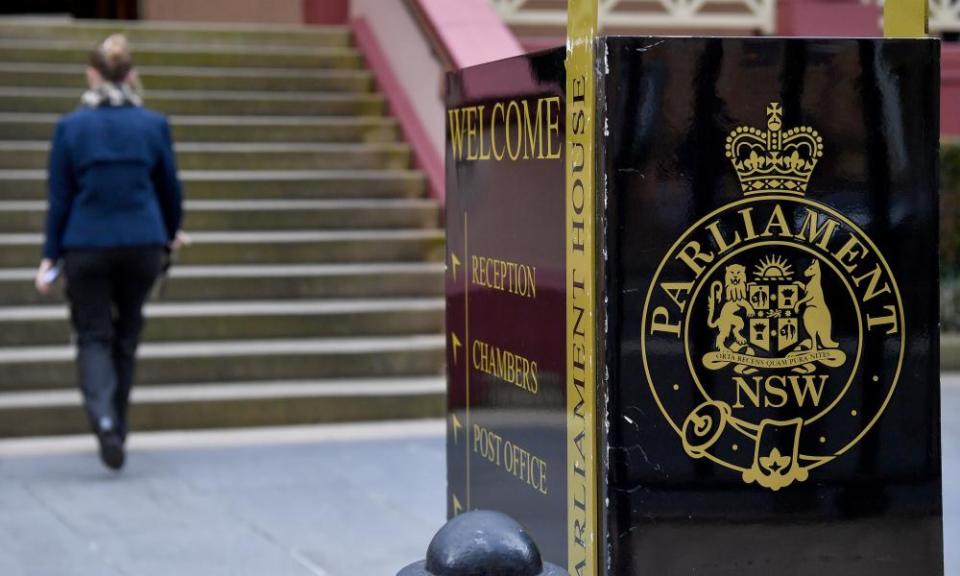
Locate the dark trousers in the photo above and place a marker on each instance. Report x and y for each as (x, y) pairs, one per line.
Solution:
(107, 290)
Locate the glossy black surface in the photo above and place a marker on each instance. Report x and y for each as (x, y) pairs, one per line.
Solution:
(670, 105)
(849, 484)
(511, 211)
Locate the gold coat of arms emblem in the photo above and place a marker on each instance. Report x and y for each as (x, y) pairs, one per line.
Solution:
(780, 307)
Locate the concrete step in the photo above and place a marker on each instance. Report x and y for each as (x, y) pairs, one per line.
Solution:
(192, 78)
(23, 250)
(267, 282)
(313, 291)
(187, 322)
(259, 184)
(207, 103)
(244, 156)
(30, 216)
(232, 405)
(173, 54)
(253, 129)
(90, 32)
(52, 367)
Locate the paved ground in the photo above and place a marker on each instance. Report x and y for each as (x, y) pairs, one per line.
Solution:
(300, 502)
(951, 472)
(357, 500)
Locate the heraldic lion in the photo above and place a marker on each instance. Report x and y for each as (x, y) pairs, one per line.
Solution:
(728, 323)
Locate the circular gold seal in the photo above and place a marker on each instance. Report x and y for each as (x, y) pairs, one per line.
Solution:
(772, 302)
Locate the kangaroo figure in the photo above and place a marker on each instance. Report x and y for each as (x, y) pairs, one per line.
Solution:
(817, 320)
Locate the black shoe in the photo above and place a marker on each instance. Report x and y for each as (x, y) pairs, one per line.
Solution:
(111, 450)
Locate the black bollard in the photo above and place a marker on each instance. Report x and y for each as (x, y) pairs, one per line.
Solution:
(482, 543)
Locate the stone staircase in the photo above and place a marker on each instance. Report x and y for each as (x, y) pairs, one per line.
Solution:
(312, 292)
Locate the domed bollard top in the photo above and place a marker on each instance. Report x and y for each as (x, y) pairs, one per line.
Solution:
(482, 543)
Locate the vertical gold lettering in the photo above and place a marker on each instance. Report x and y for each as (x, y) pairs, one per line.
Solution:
(456, 129)
(853, 250)
(553, 128)
(812, 232)
(721, 242)
(497, 154)
(514, 119)
(471, 133)
(874, 276)
(660, 322)
(890, 319)
(691, 255)
(677, 292)
(777, 221)
(748, 223)
(753, 394)
(533, 132)
(482, 123)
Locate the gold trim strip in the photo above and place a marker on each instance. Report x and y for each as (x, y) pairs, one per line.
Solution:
(466, 342)
(905, 18)
(582, 512)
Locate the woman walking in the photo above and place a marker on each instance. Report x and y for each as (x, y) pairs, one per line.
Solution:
(114, 210)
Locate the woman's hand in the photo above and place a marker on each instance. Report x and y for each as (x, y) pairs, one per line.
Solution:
(180, 240)
(43, 281)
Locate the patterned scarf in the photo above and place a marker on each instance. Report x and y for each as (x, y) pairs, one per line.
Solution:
(109, 94)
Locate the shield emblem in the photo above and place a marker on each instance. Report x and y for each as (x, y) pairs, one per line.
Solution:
(760, 296)
(760, 333)
(787, 296)
(788, 332)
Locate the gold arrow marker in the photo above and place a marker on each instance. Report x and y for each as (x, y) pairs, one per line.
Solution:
(457, 508)
(456, 344)
(454, 262)
(456, 428)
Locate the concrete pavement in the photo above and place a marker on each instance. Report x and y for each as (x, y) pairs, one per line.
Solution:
(950, 412)
(316, 501)
(353, 500)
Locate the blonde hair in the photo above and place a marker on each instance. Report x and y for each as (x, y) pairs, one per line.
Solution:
(112, 58)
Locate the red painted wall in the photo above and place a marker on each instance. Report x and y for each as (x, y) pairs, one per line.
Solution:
(326, 11)
(842, 18)
(415, 132)
(244, 11)
(950, 90)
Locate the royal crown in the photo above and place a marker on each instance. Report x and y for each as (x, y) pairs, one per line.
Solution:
(774, 161)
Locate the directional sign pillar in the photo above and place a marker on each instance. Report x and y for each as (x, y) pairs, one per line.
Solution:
(694, 305)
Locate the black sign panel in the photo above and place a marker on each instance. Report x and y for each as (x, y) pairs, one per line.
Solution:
(505, 294)
(773, 284)
(764, 329)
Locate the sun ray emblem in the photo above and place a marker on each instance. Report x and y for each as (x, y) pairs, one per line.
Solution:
(773, 268)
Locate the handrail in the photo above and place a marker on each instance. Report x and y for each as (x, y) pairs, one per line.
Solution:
(427, 30)
(464, 32)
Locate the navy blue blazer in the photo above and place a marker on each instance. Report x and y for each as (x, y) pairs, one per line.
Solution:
(112, 181)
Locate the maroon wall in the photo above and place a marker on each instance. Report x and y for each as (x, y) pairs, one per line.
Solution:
(243, 11)
(326, 11)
